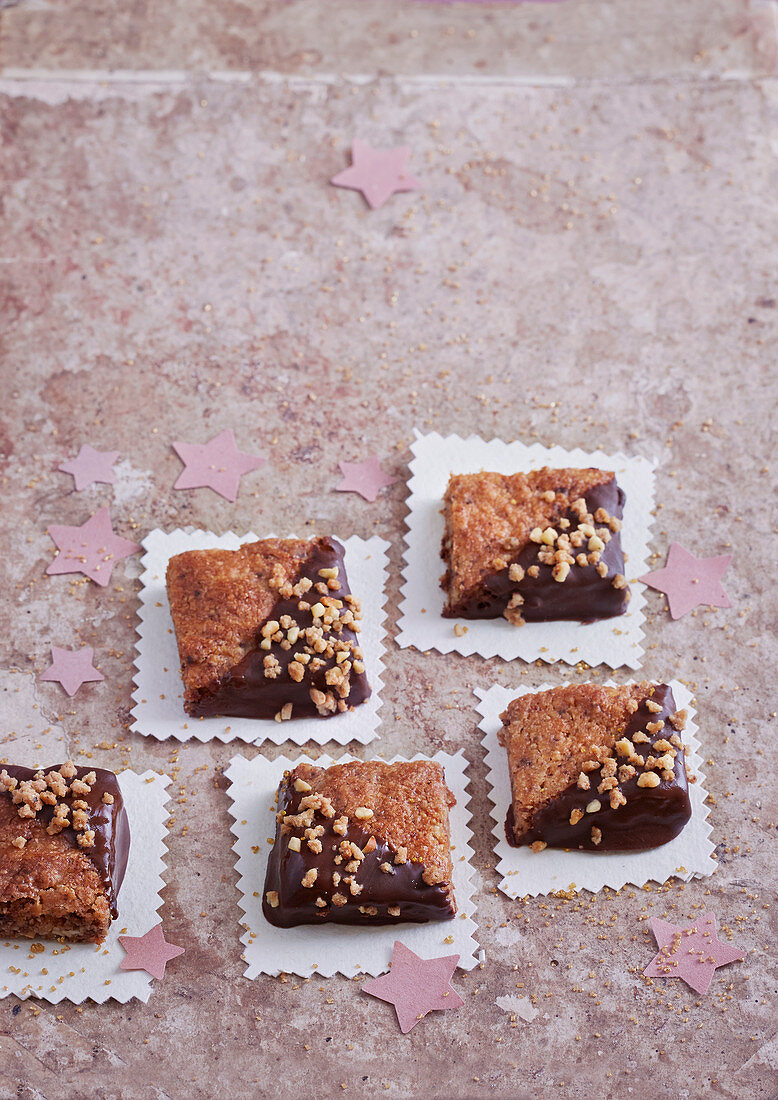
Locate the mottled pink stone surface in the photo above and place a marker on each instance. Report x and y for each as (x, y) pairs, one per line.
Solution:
(591, 262)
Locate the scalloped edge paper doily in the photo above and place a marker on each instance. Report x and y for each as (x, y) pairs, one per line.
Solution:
(82, 970)
(614, 642)
(158, 709)
(525, 872)
(330, 949)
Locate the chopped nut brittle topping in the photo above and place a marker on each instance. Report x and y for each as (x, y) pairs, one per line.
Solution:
(652, 769)
(31, 795)
(318, 644)
(556, 546)
(560, 571)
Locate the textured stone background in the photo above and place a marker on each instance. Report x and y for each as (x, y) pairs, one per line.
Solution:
(591, 262)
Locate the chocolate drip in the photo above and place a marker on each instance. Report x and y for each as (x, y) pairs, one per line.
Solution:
(652, 816)
(110, 824)
(246, 692)
(584, 596)
(404, 887)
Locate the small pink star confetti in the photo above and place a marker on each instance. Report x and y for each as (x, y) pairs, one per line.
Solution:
(92, 549)
(72, 668)
(89, 466)
(366, 478)
(216, 465)
(691, 953)
(689, 582)
(416, 986)
(150, 952)
(377, 173)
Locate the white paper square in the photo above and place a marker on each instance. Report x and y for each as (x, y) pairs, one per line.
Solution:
(329, 949)
(83, 970)
(159, 697)
(614, 642)
(525, 872)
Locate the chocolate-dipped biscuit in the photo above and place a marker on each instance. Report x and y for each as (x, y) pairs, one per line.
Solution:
(267, 631)
(596, 768)
(535, 546)
(361, 843)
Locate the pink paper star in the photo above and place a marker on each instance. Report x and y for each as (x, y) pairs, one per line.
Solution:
(377, 173)
(416, 986)
(366, 478)
(691, 953)
(216, 465)
(689, 582)
(150, 952)
(92, 549)
(72, 668)
(90, 465)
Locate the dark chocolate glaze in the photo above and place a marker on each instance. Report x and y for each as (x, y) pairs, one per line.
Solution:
(418, 901)
(110, 824)
(584, 596)
(245, 691)
(652, 816)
